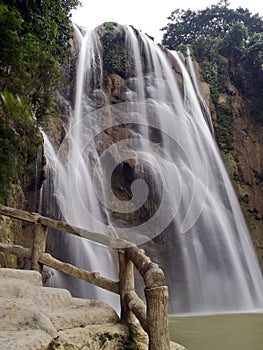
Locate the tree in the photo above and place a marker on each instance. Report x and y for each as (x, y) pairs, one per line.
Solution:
(35, 42)
(217, 32)
(11, 24)
(233, 44)
(187, 26)
(254, 52)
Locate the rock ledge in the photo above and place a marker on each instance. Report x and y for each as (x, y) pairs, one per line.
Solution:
(34, 317)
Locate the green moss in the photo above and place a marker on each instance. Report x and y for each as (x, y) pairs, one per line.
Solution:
(210, 73)
(114, 59)
(224, 126)
(238, 176)
(224, 138)
(7, 236)
(244, 199)
(236, 158)
(224, 115)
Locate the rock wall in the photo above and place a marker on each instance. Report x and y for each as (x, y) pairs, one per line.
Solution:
(240, 139)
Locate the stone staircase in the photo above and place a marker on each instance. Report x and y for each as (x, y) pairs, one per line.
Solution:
(34, 317)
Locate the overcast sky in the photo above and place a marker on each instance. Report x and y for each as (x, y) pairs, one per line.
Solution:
(146, 15)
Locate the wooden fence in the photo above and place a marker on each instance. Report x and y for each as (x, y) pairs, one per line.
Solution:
(153, 316)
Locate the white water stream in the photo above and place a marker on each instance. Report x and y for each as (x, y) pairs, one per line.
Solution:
(206, 251)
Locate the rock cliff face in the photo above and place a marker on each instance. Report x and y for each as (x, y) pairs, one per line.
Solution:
(245, 167)
(240, 139)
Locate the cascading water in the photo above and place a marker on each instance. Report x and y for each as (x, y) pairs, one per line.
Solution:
(197, 232)
(67, 248)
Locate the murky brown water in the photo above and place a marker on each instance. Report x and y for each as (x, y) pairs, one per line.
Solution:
(218, 332)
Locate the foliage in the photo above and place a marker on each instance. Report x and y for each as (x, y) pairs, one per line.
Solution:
(50, 21)
(114, 50)
(244, 199)
(238, 176)
(234, 41)
(224, 131)
(35, 43)
(7, 158)
(34, 38)
(229, 46)
(186, 26)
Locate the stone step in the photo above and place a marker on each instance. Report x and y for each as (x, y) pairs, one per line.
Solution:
(33, 315)
(30, 276)
(31, 339)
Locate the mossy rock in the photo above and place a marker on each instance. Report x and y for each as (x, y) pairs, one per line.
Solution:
(98, 337)
(113, 41)
(7, 237)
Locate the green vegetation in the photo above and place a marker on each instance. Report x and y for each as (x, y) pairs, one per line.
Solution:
(229, 46)
(238, 175)
(224, 129)
(244, 199)
(187, 26)
(35, 46)
(114, 59)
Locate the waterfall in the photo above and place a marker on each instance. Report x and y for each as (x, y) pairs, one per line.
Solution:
(61, 170)
(180, 205)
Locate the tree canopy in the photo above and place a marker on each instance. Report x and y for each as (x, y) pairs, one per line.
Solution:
(34, 40)
(187, 26)
(219, 31)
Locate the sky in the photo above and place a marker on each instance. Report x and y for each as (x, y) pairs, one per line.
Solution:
(145, 15)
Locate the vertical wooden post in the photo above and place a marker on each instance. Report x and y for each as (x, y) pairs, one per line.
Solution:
(39, 245)
(126, 276)
(157, 317)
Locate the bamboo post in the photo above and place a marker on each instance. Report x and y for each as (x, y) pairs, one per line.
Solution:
(39, 245)
(157, 320)
(126, 277)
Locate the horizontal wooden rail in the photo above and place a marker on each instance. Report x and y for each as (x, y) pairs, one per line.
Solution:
(92, 277)
(19, 214)
(16, 250)
(35, 218)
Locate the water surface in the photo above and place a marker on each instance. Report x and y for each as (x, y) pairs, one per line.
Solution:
(218, 332)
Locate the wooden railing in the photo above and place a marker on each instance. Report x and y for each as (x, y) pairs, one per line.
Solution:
(153, 316)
